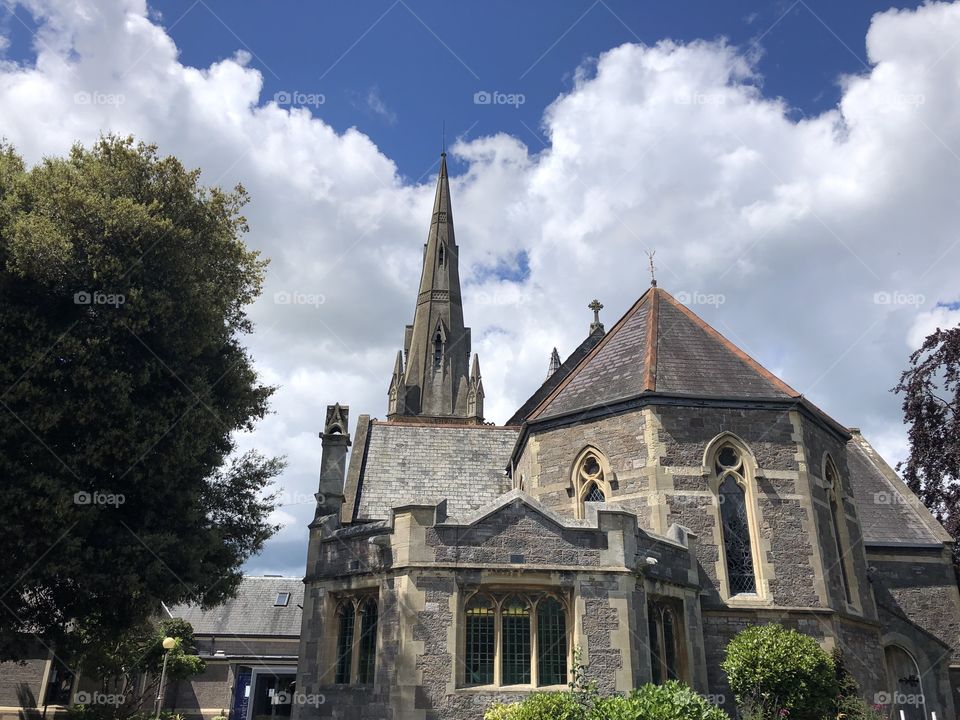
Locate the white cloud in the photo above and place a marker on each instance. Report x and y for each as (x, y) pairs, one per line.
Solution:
(926, 323)
(800, 226)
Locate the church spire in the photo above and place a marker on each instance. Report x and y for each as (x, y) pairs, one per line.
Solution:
(436, 382)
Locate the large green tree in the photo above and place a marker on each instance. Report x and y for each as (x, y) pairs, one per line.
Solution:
(123, 383)
(931, 408)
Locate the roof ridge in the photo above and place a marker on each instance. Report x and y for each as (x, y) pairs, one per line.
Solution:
(585, 360)
(730, 347)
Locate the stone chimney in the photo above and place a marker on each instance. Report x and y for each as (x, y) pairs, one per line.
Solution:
(335, 440)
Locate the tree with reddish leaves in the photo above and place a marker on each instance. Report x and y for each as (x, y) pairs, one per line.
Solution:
(931, 407)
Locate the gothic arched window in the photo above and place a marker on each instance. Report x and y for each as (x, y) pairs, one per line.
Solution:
(551, 643)
(590, 481)
(835, 498)
(731, 473)
(346, 621)
(480, 653)
(516, 638)
(437, 350)
(663, 626)
(368, 642)
(441, 255)
(515, 619)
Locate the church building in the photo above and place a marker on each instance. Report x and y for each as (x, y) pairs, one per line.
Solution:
(658, 493)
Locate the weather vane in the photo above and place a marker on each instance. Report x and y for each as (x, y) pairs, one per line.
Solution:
(653, 269)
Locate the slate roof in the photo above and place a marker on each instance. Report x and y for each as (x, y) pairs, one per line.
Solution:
(410, 462)
(252, 611)
(661, 346)
(890, 514)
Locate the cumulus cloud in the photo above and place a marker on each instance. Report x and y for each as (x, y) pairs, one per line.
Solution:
(817, 245)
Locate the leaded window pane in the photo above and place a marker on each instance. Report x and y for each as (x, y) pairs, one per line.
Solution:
(594, 494)
(368, 642)
(516, 642)
(344, 643)
(480, 643)
(551, 643)
(736, 537)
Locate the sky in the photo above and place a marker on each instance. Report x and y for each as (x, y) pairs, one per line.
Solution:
(794, 166)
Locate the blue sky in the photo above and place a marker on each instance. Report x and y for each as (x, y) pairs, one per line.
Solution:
(400, 70)
(811, 221)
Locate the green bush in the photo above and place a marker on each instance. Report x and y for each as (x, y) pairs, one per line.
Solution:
(775, 672)
(672, 701)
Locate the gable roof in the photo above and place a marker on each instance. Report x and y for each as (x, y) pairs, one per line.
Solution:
(889, 512)
(558, 376)
(252, 612)
(659, 345)
(401, 463)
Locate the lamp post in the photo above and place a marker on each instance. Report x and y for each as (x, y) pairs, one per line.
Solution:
(169, 644)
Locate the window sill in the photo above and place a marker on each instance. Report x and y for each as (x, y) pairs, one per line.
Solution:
(748, 600)
(510, 688)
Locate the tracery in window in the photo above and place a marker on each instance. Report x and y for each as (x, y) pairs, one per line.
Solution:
(368, 642)
(835, 498)
(515, 639)
(480, 641)
(664, 633)
(346, 620)
(590, 482)
(515, 617)
(357, 620)
(735, 520)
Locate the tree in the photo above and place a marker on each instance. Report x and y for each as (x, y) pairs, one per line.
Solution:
(931, 400)
(129, 667)
(123, 383)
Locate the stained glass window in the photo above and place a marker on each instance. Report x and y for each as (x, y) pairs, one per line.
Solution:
(480, 642)
(515, 618)
(368, 642)
(345, 643)
(736, 522)
(551, 643)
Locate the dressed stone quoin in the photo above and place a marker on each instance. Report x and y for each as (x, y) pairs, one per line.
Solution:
(658, 493)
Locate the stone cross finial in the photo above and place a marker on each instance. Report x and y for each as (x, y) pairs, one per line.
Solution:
(596, 306)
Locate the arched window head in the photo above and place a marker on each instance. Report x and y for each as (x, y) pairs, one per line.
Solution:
(437, 350)
(590, 480)
(732, 476)
(835, 497)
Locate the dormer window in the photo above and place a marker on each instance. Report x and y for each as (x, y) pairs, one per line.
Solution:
(283, 599)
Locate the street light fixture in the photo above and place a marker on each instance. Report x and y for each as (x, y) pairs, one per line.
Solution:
(169, 644)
